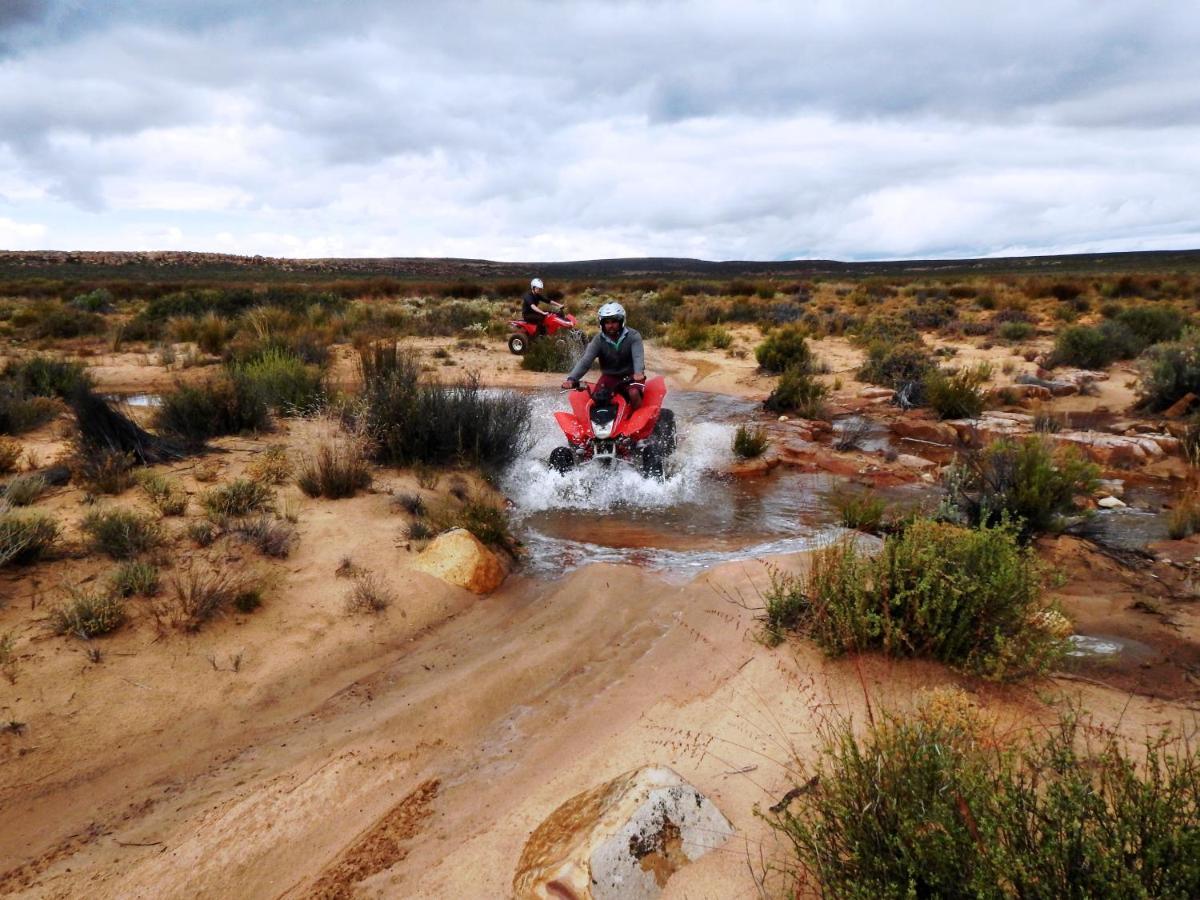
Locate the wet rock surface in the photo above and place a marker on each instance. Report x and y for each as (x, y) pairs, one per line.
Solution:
(621, 840)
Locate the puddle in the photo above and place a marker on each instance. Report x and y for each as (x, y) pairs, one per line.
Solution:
(136, 400)
(1108, 648)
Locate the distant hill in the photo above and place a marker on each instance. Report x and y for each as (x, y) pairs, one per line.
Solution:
(184, 265)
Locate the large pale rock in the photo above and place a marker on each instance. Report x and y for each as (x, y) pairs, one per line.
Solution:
(925, 430)
(619, 841)
(877, 393)
(459, 558)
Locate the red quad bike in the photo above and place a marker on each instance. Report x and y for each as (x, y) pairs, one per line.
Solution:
(601, 427)
(560, 326)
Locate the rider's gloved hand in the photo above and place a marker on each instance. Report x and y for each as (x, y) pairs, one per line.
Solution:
(569, 384)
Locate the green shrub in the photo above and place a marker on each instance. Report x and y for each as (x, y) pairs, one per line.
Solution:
(229, 404)
(42, 376)
(213, 333)
(958, 394)
(88, 614)
(1094, 347)
(1023, 481)
(696, 336)
(121, 533)
(1153, 324)
(785, 348)
(57, 320)
(750, 442)
(283, 381)
(936, 804)
(895, 365)
(23, 490)
(970, 598)
(481, 517)
(166, 495)
(1169, 372)
(411, 420)
(859, 510)
(20, 413)
(1014, 331)
(239, 498)
(135, 578)
(546, 354)
(798, 393)
(26, 537)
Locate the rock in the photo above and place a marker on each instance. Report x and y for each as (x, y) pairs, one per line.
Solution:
(925, 430)
(1180, 407)
(1111, 487)
(751, 468)
(877, 393)
(1110, 503)
(909, 461)
(623, 839)
(783, 418)
(459, 558)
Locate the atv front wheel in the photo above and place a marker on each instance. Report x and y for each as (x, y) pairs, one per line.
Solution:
(562, 459)
(652, 462)
(518, 343)
(663, 435)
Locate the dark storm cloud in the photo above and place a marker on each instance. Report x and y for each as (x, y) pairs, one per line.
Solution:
(759, 128)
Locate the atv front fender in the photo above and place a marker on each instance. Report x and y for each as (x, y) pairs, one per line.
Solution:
(571, 427)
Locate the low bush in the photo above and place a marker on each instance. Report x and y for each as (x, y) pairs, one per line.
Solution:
(859, 510)
(26, 537)
(1014, 331)
(164, 493)
(1184, 518)
(229, 404)
(283, 381)
(1094, 347)
(1169, 372)
(785, 348)
(546, 354)
(135, 578)
(895, 365)
(10, 455)
(103, 471)
(121, 533)
(1153, 324)
(695, 336)
(1024, 481)
(936, 803)
(240, 498)
(204, 590)
(957, 394)
(798, 393)
(43, 376)
(969, 598)
(335, 465)
(88, 614)
(411, 420)
(271, 537)
(272, 466)
(23, 490)
(478, 515)
(750, 442)
(20, 413)
(412, 504)
(369, 594)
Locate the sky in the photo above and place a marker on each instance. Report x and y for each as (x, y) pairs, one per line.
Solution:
(526, 130)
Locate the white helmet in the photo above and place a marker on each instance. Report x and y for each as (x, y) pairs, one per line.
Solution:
(536, 283)
(611, 311)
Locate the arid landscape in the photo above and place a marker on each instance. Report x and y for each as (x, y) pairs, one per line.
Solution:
(292, 605)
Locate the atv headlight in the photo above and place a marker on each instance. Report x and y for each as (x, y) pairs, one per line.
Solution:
(602, 430)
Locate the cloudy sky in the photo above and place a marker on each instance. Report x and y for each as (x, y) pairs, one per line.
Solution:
(529, 130)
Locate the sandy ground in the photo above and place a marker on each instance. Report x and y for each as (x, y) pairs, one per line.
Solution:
(298, 751)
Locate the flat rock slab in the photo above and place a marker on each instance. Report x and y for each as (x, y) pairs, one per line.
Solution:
(621, 840)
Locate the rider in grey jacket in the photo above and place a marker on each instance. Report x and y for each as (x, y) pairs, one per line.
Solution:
(621, 354)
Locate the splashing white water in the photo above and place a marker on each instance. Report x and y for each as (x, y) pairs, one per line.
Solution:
(534, 487)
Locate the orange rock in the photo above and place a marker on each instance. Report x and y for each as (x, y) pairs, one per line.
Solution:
(925, 430)
(459, 558)
(1180, 407)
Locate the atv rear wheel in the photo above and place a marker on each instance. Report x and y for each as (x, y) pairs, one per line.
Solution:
(518, 343)
(562, 460)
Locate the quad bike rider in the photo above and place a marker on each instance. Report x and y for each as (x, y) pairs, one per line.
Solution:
(605, 427)
(538, 319)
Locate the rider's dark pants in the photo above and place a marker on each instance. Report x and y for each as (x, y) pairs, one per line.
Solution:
(630, 390)
(539, 321)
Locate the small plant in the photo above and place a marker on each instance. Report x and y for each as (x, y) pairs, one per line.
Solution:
(1184, 518)
(23, 490)
(1023, 481)
(1170, 371)
(8, 660)
(88, 614)
(10, 455)
(368, 594)
(25, 537)
(546, 354)
(121, 533)
(957, 395)
(859, 510)
(419, 531)
(482, 518)
(750, 442)
(851, 433)
(165, 494)
(336, 466)
(970, 598)
(1047, 422)
(238, 499)
(202, 532)
(230, 404)
(1094, 347)
(204, 590)
(799, 393)
(104, 471)
(410, 503)
(270, 536)
(785, 348)
(272, 466)
(895, 365)
(135, 578)
(283, 381)
(1014, 331)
